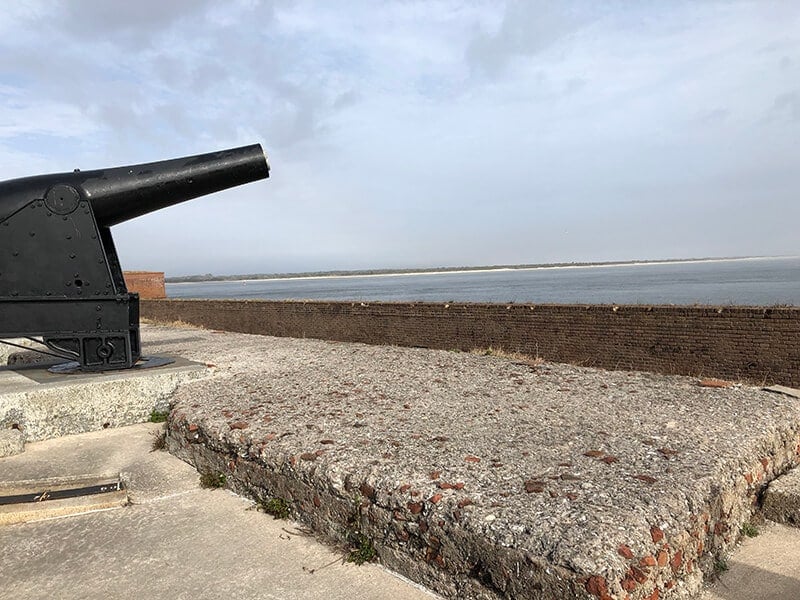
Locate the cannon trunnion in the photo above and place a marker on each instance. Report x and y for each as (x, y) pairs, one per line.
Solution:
(60, 277)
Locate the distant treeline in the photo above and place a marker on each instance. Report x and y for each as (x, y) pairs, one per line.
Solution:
(211, 277)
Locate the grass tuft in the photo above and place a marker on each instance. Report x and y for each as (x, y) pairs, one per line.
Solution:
(209, 479)
(277, 507)
(749, 530)
(720, 566)
(533, 361)
(159, 416)
(362, 549)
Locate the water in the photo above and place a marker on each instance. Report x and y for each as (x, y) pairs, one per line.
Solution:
(763, 281)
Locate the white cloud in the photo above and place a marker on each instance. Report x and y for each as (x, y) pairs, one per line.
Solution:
(422, 132)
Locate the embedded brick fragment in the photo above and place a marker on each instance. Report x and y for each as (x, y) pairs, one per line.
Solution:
(629, 584)
(639, 575)
(663, 558)
(532, 487)
(677, 561)
(656, 534)
(625, 552)
(714, 383)
(597, 586)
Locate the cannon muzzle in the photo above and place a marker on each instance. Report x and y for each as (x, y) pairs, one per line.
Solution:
(60, 276)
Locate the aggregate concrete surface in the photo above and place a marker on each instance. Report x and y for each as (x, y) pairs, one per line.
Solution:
(175, 541)
(484, 477)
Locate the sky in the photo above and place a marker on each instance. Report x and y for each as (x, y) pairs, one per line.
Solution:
(429, 133)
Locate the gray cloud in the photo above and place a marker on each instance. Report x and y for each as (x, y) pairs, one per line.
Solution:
(787, 105)
(527, 28)
(140, 20)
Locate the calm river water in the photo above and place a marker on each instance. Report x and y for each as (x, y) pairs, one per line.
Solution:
(761, 281)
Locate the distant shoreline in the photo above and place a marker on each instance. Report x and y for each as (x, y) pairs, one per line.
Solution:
(452, 270)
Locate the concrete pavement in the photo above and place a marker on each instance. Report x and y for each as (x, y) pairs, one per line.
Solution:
(176, 540)
(766, 567)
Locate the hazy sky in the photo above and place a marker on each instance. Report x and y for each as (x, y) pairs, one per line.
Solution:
(410, 134)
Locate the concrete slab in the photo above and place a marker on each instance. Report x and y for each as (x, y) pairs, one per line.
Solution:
(176, 541)
(763, 568)
(782, 389)
(11, 442)
(782, 499)
(484, 477)
(44, 405)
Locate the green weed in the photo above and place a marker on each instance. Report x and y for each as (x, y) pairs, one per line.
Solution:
(158, 416)
(362, 549)
(277, 507)
(209, 479)
(749, 530)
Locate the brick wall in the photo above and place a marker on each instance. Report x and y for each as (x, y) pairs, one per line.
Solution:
(148, 284)
(755, 344)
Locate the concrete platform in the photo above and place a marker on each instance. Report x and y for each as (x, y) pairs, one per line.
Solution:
(782, 499)
(42, 405)
(484, 477)
(175, 541)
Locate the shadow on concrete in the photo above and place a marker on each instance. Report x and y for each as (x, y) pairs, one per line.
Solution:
(177, 340)
(744, 582)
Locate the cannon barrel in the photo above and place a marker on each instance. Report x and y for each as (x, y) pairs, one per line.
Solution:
(122, 193)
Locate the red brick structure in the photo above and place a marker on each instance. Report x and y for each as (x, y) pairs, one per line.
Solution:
(148, 284)
(758, 344)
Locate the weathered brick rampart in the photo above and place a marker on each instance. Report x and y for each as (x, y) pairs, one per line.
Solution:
(148, 284)
(750, 343)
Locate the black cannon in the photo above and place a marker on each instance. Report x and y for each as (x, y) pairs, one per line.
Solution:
(60, 278)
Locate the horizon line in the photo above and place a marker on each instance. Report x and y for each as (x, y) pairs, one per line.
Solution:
(379, 272)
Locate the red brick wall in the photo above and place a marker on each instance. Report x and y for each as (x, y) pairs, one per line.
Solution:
(148, 284)
(755, 344)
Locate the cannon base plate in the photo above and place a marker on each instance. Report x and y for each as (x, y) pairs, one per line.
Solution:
(145, 362)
